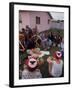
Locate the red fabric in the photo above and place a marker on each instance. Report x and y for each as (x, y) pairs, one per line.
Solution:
(31, 69)
(26, 62)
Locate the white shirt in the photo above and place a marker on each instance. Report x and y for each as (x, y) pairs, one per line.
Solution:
(57, 69)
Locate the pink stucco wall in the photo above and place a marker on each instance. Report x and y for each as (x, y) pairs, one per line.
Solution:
(29, 18)
(25, 17)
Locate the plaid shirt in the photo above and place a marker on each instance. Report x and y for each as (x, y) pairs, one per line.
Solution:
(26, 74)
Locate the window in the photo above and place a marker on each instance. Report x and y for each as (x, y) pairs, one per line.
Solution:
(48, 21)
(37, 20)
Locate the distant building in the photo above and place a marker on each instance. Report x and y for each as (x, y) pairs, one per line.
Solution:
(35, 18)
(57, 24)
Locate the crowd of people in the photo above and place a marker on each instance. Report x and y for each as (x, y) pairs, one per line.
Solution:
(30, 39)
(46, 40)
(52, 39)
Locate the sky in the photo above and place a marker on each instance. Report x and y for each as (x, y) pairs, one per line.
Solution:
(57, 15)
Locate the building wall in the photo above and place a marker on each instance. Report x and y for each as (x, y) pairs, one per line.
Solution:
(57, 25)
(43, 21)
(29, 18)
(25, 17)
